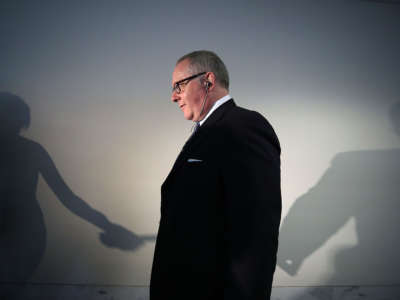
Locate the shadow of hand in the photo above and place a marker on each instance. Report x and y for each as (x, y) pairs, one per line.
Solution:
(116, 236)
(289, 266)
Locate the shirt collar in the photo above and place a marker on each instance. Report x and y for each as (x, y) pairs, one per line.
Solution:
(217, 104)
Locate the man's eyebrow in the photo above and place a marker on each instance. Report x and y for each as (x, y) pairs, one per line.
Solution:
(177, 82)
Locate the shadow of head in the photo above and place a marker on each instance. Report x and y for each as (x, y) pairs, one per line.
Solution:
(14, 114)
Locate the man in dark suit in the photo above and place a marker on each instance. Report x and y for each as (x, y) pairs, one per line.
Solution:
(221, 202)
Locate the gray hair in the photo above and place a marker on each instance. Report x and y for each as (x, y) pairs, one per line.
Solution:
(207, 61)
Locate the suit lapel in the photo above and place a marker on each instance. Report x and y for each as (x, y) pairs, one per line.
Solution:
(200, 134)
(218, 114)
(207, 125)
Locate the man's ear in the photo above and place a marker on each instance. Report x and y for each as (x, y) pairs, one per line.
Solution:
(209, 80)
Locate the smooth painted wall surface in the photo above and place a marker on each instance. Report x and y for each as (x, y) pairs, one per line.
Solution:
(96, 77)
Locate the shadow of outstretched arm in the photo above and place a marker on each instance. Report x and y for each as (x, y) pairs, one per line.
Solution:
(315, 217)
(113, 235)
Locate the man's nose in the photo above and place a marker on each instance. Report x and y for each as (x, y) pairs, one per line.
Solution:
(174, 96)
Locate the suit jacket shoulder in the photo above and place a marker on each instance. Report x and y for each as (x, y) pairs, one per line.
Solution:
(236, 129)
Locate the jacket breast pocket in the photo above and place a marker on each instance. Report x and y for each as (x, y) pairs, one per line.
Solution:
(193, 172)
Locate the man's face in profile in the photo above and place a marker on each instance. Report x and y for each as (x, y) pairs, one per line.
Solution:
(192, 92)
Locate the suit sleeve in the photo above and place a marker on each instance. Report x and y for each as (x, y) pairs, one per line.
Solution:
(252, 209)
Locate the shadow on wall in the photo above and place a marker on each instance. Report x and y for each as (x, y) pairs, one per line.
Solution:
(360, 184)
(22, 227)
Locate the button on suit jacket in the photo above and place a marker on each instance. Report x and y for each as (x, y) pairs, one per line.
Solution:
(220, 212)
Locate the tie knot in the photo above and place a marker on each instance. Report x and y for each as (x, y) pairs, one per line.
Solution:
(196, 126)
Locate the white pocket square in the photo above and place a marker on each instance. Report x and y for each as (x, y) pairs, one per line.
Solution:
(194, 160)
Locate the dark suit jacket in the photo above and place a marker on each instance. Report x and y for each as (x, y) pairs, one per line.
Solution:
(218, 233)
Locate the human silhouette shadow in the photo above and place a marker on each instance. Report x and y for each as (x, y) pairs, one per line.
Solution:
(22, 227)
(363, 185)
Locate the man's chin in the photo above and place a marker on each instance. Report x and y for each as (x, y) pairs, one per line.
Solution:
(188, 117)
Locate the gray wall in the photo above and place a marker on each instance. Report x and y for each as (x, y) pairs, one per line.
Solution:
(96, 76)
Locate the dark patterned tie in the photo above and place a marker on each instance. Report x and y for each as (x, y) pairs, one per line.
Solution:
(196, 127)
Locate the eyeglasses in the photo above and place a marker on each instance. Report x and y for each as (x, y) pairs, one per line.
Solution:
(179, 84)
